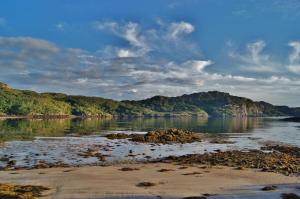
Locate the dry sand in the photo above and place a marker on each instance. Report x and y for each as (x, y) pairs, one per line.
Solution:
(98, 182)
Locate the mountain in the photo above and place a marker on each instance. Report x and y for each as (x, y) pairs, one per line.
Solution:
(215, 103)
(15, 102)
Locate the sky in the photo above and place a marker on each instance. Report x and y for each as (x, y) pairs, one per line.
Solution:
(136, 49)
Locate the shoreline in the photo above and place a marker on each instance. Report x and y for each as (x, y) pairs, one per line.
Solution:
(3, 117)
(150, 147)
(238, 172)
(169, 180)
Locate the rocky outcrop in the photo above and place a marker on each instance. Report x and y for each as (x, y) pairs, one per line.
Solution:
(161, 136)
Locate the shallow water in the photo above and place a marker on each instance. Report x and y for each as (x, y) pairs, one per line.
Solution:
(30, 142)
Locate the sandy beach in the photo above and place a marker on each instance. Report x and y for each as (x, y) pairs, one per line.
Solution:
(169, 180)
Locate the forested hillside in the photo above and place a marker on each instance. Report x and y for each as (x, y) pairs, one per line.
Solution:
(15, 102)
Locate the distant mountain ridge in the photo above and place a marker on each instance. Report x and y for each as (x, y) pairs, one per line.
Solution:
(15, 102)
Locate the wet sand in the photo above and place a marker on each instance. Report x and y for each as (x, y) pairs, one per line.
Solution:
(169, 180)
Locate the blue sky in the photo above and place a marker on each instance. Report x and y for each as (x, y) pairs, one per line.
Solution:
(137, 48)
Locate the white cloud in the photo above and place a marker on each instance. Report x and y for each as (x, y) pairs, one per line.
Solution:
(134, 90)
(107, 25)
(197, 65)
(28, 43)
(294, 57)
(176, 30)
(294, 68)
(131, 33)
(174, 4)
(125, 53)
(166, 40)
(60, 26)
(131, 72)
(254, 59)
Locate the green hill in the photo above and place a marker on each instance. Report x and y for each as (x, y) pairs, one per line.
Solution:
(15, 102)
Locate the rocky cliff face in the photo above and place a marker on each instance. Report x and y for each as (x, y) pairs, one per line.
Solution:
(218, 104)
(242, 110)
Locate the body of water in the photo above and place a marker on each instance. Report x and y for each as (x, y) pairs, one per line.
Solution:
(25, 129)
(30, 142)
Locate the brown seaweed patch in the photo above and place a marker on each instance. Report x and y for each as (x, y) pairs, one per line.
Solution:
(161, 136)
(282, 159)
(10, 191)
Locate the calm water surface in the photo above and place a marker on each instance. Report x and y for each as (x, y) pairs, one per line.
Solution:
(29, 142)
(24, 129)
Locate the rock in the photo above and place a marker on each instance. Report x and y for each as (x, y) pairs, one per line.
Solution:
(284, 160)
(161, 136)
(195, 197)
(221, 140)
(4, 159)
(42, 166)
(183, 167)
(148, 157)
(11, 163)
(145, 184)
(101, 157)
(129, 169)
(93, 153)
(289, 196)
(208, 194)
(240, 168)
(193, 173)
(10, 191)
(117, 136)
(269, 188)
(165, 170)
(292, 150)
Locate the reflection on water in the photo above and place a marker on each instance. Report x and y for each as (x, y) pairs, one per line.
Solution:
(24, 129)
(60, 145)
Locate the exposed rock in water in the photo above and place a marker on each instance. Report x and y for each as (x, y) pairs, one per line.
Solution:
(92, 153)
(289, 196)
(161, 136)
(284, 161)
(114, 136)
(10, 191)
(220, 140)
(269, 188)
